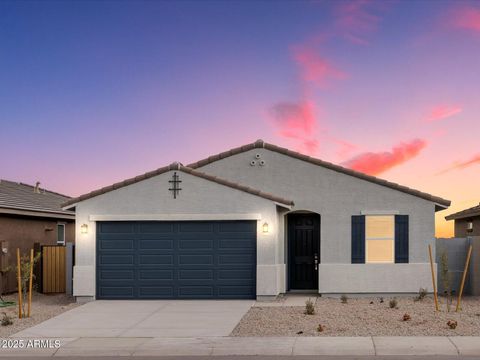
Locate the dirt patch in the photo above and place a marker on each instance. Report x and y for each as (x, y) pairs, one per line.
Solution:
(362, 317)
(44, 307)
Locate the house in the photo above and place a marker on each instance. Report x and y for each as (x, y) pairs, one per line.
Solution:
(467, 222)
(30, 214)
(252, 222)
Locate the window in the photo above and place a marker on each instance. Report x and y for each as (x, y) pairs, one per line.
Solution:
(60, 234)
(379, 239)
(470, 226)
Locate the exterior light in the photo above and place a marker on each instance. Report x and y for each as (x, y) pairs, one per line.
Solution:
(84, 229)
(265, 227)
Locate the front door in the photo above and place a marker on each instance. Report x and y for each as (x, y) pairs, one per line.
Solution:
(304, 250)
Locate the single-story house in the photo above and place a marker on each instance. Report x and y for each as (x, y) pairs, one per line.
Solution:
(467, 222)
(252, 222)
(30, 214)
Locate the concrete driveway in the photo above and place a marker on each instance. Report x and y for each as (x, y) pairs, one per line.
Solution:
(144, 318)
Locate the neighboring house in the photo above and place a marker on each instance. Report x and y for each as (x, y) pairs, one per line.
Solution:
(467, 222)
(255, 221)
(29, 214)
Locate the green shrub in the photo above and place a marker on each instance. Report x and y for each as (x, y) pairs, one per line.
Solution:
(344, 299)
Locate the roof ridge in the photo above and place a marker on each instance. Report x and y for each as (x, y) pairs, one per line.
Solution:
(316, 161)
(33, 187)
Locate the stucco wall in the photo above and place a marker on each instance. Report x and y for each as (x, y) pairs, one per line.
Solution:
(198, 197)
(336, 197)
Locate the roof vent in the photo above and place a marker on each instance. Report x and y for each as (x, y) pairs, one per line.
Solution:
(36, 189)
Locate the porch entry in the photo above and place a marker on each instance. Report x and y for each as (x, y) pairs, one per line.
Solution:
(304, 250)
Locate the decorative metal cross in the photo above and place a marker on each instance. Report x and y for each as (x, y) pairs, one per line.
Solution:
(175, 185)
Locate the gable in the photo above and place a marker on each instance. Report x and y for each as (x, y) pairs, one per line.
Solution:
(207, 165)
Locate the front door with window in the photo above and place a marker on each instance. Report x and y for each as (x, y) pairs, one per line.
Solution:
(304, 251)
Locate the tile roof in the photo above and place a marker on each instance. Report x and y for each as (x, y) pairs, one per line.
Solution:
(473, 211)
(179, 167)
(261, 144)
(19, 196)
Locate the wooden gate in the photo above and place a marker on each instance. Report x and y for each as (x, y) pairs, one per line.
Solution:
(53, 269)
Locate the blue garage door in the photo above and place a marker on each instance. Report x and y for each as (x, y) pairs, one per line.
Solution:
(176, 260)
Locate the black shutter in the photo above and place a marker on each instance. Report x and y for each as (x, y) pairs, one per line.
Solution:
(358, 239)
(401, 238)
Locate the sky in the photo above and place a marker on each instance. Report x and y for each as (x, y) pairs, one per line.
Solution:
(93, 92)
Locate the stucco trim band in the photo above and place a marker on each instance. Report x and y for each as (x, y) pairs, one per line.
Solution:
(175, 217)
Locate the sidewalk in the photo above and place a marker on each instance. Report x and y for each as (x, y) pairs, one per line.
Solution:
(276, 346)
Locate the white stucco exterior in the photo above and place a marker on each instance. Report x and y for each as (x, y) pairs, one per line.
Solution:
(333, 195)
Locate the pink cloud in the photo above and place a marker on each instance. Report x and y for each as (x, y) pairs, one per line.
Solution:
(463, 164)
(356, 20)
(296, 121)
(440, 112)
(315, 68)
(467, 17)
(376, 163)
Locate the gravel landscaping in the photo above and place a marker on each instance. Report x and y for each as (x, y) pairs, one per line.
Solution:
(44, 307)
(361, 317)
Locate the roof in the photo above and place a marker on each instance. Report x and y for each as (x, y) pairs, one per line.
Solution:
(473, 211)
(261, 144)
(19, 198)
(179, 167)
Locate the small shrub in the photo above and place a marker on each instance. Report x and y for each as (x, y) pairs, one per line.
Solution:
(393, 303)
(299, 332)
(371, 302)
(381, 300)
(309, 307)
(6, 320)
(452, 324)
(406, 317)
(422, 293)
(344, 299)
(320, 328)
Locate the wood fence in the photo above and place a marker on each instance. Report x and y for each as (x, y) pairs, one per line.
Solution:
(53, 269)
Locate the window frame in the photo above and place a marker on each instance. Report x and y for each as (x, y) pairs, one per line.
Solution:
(64, 233)
(392, 239)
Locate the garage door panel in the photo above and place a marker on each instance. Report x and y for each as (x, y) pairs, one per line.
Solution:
(155, 259)
(235, 244)
(235, 259)
(156, 292)
(195, 227)
(155, 244)
(156, 274)
(196, 291)
(235, 274)
(109, 228)
(117, 292)
(195, 259)
(155, 227)
(117, 244)
(121, 275)
(195, 244)
(116, 259)
(237, 227)
(189, 260)
(196, 274)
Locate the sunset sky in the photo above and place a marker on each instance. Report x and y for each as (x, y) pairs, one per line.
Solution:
(95, 92)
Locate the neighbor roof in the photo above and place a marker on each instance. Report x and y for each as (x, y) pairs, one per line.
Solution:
(19, 198)
(179, 167)
(261, 144)
(473, 211)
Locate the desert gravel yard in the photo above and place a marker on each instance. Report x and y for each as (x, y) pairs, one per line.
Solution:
(361, 317)
(44, 307)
